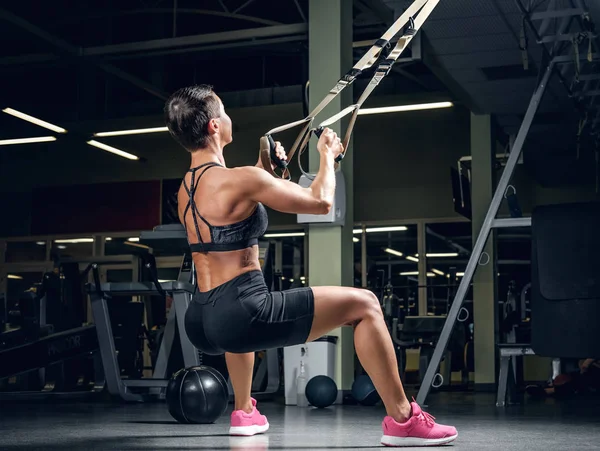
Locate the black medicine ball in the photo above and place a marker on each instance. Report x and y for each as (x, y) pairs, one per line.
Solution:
(321, 391)
(197, 395)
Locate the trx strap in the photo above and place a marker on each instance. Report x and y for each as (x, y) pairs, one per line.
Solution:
(267, 145)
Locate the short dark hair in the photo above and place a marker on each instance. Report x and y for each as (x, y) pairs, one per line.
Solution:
(187, 114)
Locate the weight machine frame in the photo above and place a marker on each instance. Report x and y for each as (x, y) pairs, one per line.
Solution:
(552, 55)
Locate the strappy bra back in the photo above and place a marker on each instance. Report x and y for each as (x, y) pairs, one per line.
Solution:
(231, 237)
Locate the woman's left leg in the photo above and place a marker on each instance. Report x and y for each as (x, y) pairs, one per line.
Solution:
(241, 368)
(245, 418)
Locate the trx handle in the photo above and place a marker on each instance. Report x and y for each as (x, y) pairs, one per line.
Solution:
(318, 132)
(281, 164)
(268, 157)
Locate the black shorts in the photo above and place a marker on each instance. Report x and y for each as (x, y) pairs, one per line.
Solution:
(243, 316)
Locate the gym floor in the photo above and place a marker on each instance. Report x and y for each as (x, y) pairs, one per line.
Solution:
(533, 425)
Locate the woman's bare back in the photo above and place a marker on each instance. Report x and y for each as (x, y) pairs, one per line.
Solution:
(219, 202)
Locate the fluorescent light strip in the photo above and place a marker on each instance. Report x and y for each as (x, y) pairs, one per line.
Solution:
(141, 246)
(136, 131)
(40, 243)
(39, 139)
(401, 108)
(75, 240)
(381, 229)
(412, 259)
(416, 273)
(438, 272)
(355, 232)
(283, 235)
(114, 150)
(34, 120)
(134, 239)
(14, 277)
(393, 252)
(356, 240)
(440, 254)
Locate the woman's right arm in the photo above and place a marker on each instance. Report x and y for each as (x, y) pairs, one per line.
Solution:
(288, 197)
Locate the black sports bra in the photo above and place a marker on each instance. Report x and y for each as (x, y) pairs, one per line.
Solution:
(232, 237)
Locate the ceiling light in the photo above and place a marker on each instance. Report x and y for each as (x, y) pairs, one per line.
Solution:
(34, 120)
(61, 246)
(283, 235)
(40, 243)
(401, 108)
(356, 240)
(141, 246)
(412, 259)
(415, 273)
(114, 150)
(108, 238)
(134, 239)
(438, 272)
(75, 240)
(381, 229)
(442, 254)
(39, 139)
(15, 277)
(136, 131)
(460, 274)
(393, 252)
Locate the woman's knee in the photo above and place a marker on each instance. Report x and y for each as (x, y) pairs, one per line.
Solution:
(367, 304)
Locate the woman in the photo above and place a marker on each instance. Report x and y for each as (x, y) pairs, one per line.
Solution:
(233, 311)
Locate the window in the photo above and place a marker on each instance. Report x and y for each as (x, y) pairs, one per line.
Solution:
(25, 251)
(514, 265)
(288, 257)
(121, 245)
(391, 263)
(72, 248)
(448, 248)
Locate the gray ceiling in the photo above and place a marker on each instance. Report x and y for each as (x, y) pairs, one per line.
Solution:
(82, 57)
(475, 48)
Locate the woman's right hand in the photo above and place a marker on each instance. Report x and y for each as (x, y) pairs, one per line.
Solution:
(329, 143)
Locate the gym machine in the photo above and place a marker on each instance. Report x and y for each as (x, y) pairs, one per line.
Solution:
(571, 67)
(140, 389)
(41, 353)
(165, 239)
(171, 239)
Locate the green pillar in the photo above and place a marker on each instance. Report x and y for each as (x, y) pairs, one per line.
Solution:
(484, 280)
(330, 249)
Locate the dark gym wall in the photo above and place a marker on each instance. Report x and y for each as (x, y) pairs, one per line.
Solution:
(402, 163)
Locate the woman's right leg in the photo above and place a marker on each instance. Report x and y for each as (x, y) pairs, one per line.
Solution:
(336, 306)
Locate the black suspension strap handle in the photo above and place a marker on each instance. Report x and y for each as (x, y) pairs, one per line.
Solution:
(421, 7)
(268, 156)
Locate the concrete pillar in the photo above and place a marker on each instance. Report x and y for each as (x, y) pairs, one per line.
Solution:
(330, 249)
(484, 280)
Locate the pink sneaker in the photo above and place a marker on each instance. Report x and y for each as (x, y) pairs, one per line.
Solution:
(419, 430)
(252, 423)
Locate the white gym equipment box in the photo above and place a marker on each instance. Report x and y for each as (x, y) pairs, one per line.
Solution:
(319, 359)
